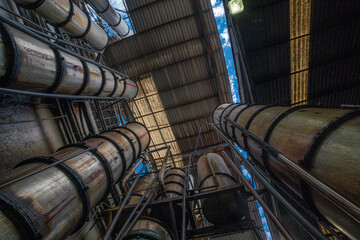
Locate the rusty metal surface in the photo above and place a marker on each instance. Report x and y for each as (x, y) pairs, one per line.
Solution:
(141, 188)
(37, 67)
(38, 63)
(23, 140)
(52, 200)
(334, 160)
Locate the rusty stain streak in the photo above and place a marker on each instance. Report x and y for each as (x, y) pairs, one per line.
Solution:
(67, 203)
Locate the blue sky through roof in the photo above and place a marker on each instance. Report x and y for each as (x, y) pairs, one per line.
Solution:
(219, 13)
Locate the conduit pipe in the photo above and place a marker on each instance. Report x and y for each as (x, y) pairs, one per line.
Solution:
(66, 15)
(57, 201)
(325, 142)
(113, 18)
(29, 64)
(162, 170)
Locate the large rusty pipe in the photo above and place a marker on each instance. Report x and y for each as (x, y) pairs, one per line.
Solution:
(68, 16)
(57, 201)
(113, 18)
(29, 64)
(322, 141)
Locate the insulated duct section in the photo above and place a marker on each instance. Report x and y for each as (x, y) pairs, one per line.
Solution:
(66, 15)
(29, 64)
(113, 18)
(323, 141)
(56, 202)
(227, 208)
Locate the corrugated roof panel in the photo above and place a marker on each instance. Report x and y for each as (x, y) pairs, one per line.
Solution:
(248, 235)
(160, 12)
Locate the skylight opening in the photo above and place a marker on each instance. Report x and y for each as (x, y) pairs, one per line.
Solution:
(220, 18)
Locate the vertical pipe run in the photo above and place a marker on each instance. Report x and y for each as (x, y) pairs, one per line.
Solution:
(322, 141)
(56, 202)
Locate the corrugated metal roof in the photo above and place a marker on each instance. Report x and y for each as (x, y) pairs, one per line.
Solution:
(177, 60)
(248, 235)
(302, 50)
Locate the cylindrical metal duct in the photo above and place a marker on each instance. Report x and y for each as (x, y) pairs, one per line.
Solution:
(29, 64)
(149, 228)
(56, 202)
(68, 16)
(141, 187)
(174, 182)
(229, 207)
(106, 11)
(323, 141)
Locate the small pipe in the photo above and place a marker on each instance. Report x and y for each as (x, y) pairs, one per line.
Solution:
(303, 221)
(266, 208)
(55, 95)
(49, 166)
(28, 21)
(162, 170)
(118, 213)
(68, 134)
(33, 120)
(129, 173)
(336, 198)
(183, 229)
(136, 207)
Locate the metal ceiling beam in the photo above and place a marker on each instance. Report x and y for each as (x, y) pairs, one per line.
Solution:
(175, 88)
(175, 63)
(329, 61)
(205, 117)
(178, 106)
(209, 53)
(338, 24)
(161, 49)
(170, 22)
(183, 138)
(187, 154)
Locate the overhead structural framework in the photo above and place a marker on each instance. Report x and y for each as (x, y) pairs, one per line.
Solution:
(111, 16)
(314, 151)
(56, 201)
(32, 65)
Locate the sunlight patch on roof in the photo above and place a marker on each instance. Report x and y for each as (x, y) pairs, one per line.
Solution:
(146, 103)
(300, 17)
